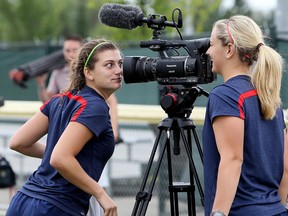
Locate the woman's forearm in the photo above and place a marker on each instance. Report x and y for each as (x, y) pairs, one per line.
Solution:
(36, 150)
(227, 183)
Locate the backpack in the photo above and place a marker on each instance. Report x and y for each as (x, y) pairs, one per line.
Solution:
(7, 175)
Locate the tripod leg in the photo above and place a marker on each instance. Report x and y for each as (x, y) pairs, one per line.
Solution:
(190, 199)
(176, 204)
(143, 198)
(192, 164)
(173, 206)
(197, 143)
(191, 195)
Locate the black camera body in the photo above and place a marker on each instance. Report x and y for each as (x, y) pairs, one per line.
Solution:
(188, 70)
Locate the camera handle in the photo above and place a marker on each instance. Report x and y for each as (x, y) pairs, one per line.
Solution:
(178, 126)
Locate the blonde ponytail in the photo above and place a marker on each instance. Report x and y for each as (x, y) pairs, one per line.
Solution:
(266, 78)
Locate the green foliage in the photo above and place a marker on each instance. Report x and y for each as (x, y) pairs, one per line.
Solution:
(30, 19)
(204, 14)
(27, 20)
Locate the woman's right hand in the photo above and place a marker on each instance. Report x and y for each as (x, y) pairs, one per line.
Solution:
(108, 205)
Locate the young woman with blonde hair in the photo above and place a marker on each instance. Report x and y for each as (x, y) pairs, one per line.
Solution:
(244, 134)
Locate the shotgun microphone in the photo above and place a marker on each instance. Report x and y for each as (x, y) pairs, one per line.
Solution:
(129, 17)
(120, 16)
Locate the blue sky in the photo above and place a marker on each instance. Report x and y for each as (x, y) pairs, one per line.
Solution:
(256, 4)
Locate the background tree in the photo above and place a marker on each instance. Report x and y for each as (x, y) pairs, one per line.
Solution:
(28, 20)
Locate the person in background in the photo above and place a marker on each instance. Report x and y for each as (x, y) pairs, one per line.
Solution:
(79, 139)
(244, 134)
(59, 79)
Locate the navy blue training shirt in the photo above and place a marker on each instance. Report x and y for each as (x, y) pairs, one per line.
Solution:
(90, 109)
(262, 167)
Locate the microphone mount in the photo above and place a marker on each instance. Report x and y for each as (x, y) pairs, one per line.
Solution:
(159, 22)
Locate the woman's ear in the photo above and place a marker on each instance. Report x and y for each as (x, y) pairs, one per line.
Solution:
(87, 74)
(230, 50)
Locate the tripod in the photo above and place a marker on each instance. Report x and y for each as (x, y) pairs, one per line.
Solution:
(178, 126)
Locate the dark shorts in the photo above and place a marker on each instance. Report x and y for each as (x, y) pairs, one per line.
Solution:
(283, 214)
(23, 205)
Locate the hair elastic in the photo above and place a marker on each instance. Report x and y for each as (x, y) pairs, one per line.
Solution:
(248, 56)
(92, 51)
(229, 34)
(258, 46)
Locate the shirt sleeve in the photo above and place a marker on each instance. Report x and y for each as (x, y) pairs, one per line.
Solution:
(95, 116)
(223, 102)
(45, 108)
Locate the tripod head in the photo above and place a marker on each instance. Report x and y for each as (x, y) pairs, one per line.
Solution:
(178, 100)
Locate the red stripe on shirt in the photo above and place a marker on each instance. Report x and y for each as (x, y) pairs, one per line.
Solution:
(81, 101)
(56, 95)
(241, 99)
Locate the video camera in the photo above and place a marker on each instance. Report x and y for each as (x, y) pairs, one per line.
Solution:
(178, 75)
(171, 70)
(190, 69)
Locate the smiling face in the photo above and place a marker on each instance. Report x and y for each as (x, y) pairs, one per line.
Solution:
(217, 52)
(106, 77)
